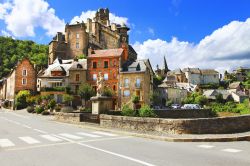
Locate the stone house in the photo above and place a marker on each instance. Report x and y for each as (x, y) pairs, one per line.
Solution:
(61, 74)
(21, 77)
(194, 76)
(97, 33)
(227, 94)
(175, 92)
(136, 78)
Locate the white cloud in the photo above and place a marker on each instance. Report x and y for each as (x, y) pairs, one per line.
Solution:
(5, 33)
(23, 16)
(91, 14)
(4, 7)
(226, 48)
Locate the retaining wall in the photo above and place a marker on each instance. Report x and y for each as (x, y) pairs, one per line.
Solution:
(221, 125)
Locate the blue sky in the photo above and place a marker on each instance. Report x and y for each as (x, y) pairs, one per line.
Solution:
(173, 24)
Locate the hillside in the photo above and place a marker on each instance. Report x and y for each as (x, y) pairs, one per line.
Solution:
(12, 50)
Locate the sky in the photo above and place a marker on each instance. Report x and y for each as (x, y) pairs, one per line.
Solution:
(189, 33)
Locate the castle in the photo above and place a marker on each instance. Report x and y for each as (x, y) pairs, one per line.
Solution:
(96, 34)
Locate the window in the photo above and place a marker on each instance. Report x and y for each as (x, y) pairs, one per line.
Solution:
(126, 82)
(114, 63)
(114, 87)
(24, 72)
(94, 65)
(77, 77)
(138, 82)
(24, 81)
(106, 64)
(77, 45)
(106, 76)
(126, 93)
(56, 84)
(94, 77)
(77, 36)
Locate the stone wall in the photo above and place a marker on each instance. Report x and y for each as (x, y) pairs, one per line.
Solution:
(67, 117)
(179, 126)
(182, 113)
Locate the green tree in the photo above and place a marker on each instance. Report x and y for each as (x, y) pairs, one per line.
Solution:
(135, 100)
(67, 99)
(21, 99)
(108, 92)
(86, 92)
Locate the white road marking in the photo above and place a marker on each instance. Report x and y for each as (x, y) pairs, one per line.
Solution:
(206, 146)
(29, 140)
(89, 135)
(26, 126)
(51, 138)
(104, 133)
(70, 136)
(40, 131)
(6, 143)
(108, 152)
(231, 150)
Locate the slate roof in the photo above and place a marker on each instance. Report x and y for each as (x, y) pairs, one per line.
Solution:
(63, 65)
(212, 93)
(234, 85)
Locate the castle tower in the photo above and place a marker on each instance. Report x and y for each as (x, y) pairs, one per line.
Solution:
(102, 16)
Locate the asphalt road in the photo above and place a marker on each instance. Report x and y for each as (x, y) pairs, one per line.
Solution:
(31, 140)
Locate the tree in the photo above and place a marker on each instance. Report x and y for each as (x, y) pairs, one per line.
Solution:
(155, 98)
(67, 99)
(135, 100)
(108, 92)
(86, 92)
(219, 98)
(21, 99)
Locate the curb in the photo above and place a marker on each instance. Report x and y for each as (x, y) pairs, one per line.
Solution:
(162, 138)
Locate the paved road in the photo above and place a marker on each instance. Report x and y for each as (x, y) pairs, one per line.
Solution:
(31, 140)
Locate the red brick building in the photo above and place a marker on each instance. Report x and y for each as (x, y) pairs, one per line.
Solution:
(22, 77)
(108, 62)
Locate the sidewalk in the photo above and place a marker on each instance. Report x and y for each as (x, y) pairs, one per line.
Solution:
(245, 136)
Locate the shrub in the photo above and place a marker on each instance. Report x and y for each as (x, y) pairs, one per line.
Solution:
(126, 111)
(108, 92)
(30, 109)
(57, 108)
(21, 99)
(52, 104)
(45, 113)
(67, 98)
(146, 111)
(67, 109)
(39, 109)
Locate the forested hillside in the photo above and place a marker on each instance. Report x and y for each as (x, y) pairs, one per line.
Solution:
(13, 50)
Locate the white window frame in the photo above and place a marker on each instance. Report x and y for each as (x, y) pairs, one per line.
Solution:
(24, 74)
(94, 77)
(126, 94)
(77, 45)
(77, 35)
(106, 76)
(126, 84)
(24, 81)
